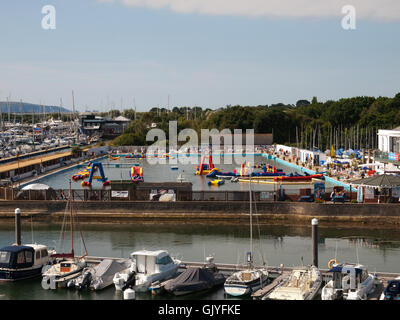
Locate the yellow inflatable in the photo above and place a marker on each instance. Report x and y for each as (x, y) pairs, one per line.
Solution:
(216, 182)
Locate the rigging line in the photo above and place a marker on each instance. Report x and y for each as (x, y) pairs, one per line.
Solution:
(336, 249)
(80, 230)
(33, 241)
(358, 261)
(62, 235)
(258, 228)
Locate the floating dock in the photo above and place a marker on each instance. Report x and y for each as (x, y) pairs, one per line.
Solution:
(277, 275)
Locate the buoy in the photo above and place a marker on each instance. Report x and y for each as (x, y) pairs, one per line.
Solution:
(129, 294)
(331, 263)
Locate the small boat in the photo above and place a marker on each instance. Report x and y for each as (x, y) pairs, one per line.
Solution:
(302, 284)
(174, 168)
(20, 262)
(146, 267)
(245, 282)
(216, 182)
(100, 276)
(68, 265)
(196, 279)
(392, 290)
(350, 282)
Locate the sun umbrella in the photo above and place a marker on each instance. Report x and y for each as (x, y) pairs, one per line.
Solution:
(36, 186)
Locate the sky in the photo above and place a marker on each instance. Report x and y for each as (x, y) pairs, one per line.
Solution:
(208, 53)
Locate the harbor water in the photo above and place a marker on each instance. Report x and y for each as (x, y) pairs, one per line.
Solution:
(379, 250)
(164, 173)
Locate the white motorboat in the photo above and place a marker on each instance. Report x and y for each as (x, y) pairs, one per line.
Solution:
(302, 284)
(146, 268)
(349, 282)
(245, 282)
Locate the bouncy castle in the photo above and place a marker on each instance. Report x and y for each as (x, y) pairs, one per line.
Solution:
(101, 178)
(137, 174)
(203, 168)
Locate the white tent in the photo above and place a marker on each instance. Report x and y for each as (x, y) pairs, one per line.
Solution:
(36, 186)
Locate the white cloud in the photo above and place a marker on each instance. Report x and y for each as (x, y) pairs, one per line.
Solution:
(382, 10)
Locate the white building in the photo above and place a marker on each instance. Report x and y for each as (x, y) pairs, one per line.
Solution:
(389, 140)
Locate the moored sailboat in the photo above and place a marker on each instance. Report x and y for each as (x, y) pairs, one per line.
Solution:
(244, 282)
(68, 265)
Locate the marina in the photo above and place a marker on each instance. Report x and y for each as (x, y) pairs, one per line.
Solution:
(196, 157)
(283, 247)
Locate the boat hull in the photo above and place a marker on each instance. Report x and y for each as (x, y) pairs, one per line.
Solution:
(238, 289)
(9, 275)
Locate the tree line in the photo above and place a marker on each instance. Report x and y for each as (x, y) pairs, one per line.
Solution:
(345, 123)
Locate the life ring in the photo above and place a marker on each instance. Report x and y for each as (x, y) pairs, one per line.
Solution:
(331, 263)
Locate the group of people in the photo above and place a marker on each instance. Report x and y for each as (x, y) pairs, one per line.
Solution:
(338, 195)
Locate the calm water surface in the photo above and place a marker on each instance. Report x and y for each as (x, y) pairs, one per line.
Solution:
(163, 173)
(378, 249)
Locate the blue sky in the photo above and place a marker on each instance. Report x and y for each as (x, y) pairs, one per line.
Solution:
(209, 55)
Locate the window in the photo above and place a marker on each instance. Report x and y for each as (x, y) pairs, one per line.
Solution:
(21, 257)
(4, 257)
(37, 255)
(44, 253)
(28, 256)
(164, 260)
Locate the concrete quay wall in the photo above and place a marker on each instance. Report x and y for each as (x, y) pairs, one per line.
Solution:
(368, 215)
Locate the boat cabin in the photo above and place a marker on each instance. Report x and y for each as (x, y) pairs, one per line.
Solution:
(150, 262)
(348, 276)
(23, 256)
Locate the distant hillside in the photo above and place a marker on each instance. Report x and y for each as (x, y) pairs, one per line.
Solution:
(18, 107)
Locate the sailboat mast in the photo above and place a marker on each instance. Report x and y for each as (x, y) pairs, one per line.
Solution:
(70, 214)
(251, 220)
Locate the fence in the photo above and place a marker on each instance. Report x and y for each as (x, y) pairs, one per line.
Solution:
(7, 193)
(131, 195)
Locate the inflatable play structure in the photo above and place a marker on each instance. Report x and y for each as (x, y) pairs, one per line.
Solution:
(299, 178)
(204, 168)
(94, 166)
(136, 156)
(113, 158)
(137, 174)
(216, 182)
(83, 174)
(268, 171)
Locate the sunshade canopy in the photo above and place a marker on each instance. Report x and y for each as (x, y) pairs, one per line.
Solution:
(383, 181)
(36, 186)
